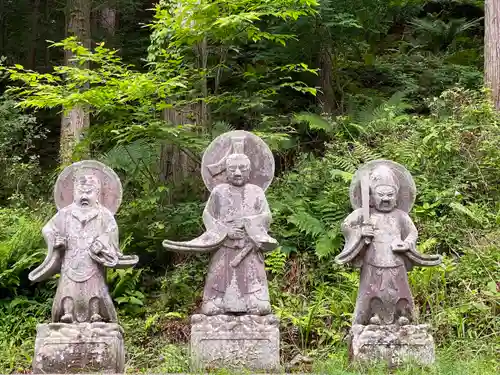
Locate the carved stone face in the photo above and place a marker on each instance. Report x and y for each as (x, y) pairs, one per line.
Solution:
(86, 191)
(238, 169)
(384, 198)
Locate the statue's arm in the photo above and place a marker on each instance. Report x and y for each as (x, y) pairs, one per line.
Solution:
(106, 248)
(51, 265)
(262, 217)
(211, 216)
(410, 230)
(257, 225)
(354, 241)
(410, 240)
(214, 236)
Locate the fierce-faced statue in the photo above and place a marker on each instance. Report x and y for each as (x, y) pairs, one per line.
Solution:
(381, 240)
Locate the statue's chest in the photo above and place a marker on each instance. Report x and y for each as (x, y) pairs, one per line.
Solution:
(82, 232)
(236, 203)
(386, 227)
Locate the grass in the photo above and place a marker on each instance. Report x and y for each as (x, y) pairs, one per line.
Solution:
(458, 359)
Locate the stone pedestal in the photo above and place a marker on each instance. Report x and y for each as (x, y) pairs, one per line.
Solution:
(249, 342)
(85, 347)
(392, 344)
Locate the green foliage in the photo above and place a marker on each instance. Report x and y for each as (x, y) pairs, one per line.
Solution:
(18, 320)
(453, 155)
(19, 162)
(457, 359)
(21, 247)
(214, 66)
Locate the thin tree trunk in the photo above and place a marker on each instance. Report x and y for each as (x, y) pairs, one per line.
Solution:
(2, 25)
(35, 15)
(326, 97)
(76, 122)
(492, 49)
(108, 19)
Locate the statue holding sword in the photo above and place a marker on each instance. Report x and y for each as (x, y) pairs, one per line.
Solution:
(381, 240)
(237, 167)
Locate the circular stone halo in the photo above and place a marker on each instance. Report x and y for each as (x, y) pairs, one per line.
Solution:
(259, 153)
(111, 187)
(407, 189)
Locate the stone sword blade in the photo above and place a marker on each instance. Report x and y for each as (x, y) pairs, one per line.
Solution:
(365, 201)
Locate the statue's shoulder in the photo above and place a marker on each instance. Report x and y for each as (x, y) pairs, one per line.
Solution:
(65, 210)
(220, 188)
(105, 211)
(356, 213)
(401, 214)
(255, 189)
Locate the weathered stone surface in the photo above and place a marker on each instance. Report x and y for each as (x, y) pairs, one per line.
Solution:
(78, 348)
(237, 168)
(250, 342)
(82, 240)
(392, 343)
(381, 240)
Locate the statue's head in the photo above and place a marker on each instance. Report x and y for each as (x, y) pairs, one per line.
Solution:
(238, 169)
(87, 188)
(383, 189)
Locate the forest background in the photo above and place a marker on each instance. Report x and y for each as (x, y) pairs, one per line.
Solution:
(143, 86)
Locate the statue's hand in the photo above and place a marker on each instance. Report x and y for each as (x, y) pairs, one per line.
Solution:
(367, 231)
(236, 233)
(59, 241)
(400, 246)
(96, 247)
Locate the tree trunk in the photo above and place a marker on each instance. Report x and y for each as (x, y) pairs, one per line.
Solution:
(74, 123)
(2, 25)
(35, 15)
(326, 96)
(492, 49)
(108, 19)
(175, 165)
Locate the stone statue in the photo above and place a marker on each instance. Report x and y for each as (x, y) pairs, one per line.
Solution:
(82, 240)
(381, 240)
(237, 219)
(237, 168)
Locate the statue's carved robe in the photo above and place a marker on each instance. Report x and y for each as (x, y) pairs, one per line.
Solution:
(238, 288)
(384, 288)
(83, 275)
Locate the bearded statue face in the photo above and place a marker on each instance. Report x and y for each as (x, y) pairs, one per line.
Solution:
(384, 198)
(86, 192)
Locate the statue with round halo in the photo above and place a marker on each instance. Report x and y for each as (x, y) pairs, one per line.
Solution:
(381, 240)
(82, 241)
(237, 167)
(237, 219)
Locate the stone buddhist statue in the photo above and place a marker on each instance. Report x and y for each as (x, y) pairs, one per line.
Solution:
(381, 240)
(237, 168)
(82, 241)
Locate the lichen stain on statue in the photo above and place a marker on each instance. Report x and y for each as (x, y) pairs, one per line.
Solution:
(381, 240)
(82, 241)
(237, 167)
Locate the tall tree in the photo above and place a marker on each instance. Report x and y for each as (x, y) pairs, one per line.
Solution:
(492, 49)
(74, 123)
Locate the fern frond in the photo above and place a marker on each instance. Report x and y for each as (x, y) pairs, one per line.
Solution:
(307, 223)
(364, 154)
(132, 157)
(342, 163)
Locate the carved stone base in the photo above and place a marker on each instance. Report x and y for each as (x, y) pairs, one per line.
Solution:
(392, 344)
(249, 342)
(76, 348)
